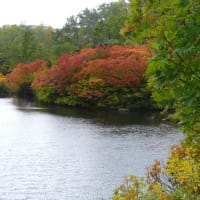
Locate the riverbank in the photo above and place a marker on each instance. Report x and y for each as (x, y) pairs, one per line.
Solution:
(102, 77)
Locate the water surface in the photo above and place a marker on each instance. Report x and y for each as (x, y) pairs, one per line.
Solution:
(68, 154)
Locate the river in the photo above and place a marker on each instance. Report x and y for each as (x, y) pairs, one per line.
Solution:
(68, 154)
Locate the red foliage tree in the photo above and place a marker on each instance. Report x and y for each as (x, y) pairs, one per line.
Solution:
(59, 76)
(85, 73)
(123, 66)
(24, 74)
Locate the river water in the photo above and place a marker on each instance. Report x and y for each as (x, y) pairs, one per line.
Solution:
(67, 154)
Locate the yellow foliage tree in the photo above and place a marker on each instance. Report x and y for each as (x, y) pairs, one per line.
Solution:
(179, 179)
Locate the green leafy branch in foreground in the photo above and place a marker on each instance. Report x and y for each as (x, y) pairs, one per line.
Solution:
(172, 29)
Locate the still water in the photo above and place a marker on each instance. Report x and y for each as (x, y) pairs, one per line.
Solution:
(68, 154)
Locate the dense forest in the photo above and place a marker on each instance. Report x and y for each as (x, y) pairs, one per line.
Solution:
(141, 54)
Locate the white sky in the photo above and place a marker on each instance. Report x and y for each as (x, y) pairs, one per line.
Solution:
(48, 12)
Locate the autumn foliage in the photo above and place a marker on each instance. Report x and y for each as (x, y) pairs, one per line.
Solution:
(2, 79)
(3, 88)
(179, 179)
(114, 65)
(22, 75)
(103, 76)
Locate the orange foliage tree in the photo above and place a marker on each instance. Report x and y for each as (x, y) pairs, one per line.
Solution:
(21, 77)
(93, 74)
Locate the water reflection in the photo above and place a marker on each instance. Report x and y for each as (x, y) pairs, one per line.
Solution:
(67, 154)
(109, 117)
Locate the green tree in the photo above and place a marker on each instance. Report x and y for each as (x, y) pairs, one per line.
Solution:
(67, 40)
(112, 18)
(88, 20)
(172, 29)
(10, 46)
(28, 46)
(92, 27)
(24, 44)
(44, 40)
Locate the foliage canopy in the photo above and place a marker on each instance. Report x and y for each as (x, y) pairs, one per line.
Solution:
(172, 29)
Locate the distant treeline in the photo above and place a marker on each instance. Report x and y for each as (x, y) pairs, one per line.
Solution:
(91, 27)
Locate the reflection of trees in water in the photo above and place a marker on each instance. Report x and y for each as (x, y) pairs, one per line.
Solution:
(106, 117)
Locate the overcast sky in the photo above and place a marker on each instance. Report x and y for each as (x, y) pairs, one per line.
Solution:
(48, 12)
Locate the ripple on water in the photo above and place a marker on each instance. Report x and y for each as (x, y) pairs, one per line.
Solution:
(47, 155)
